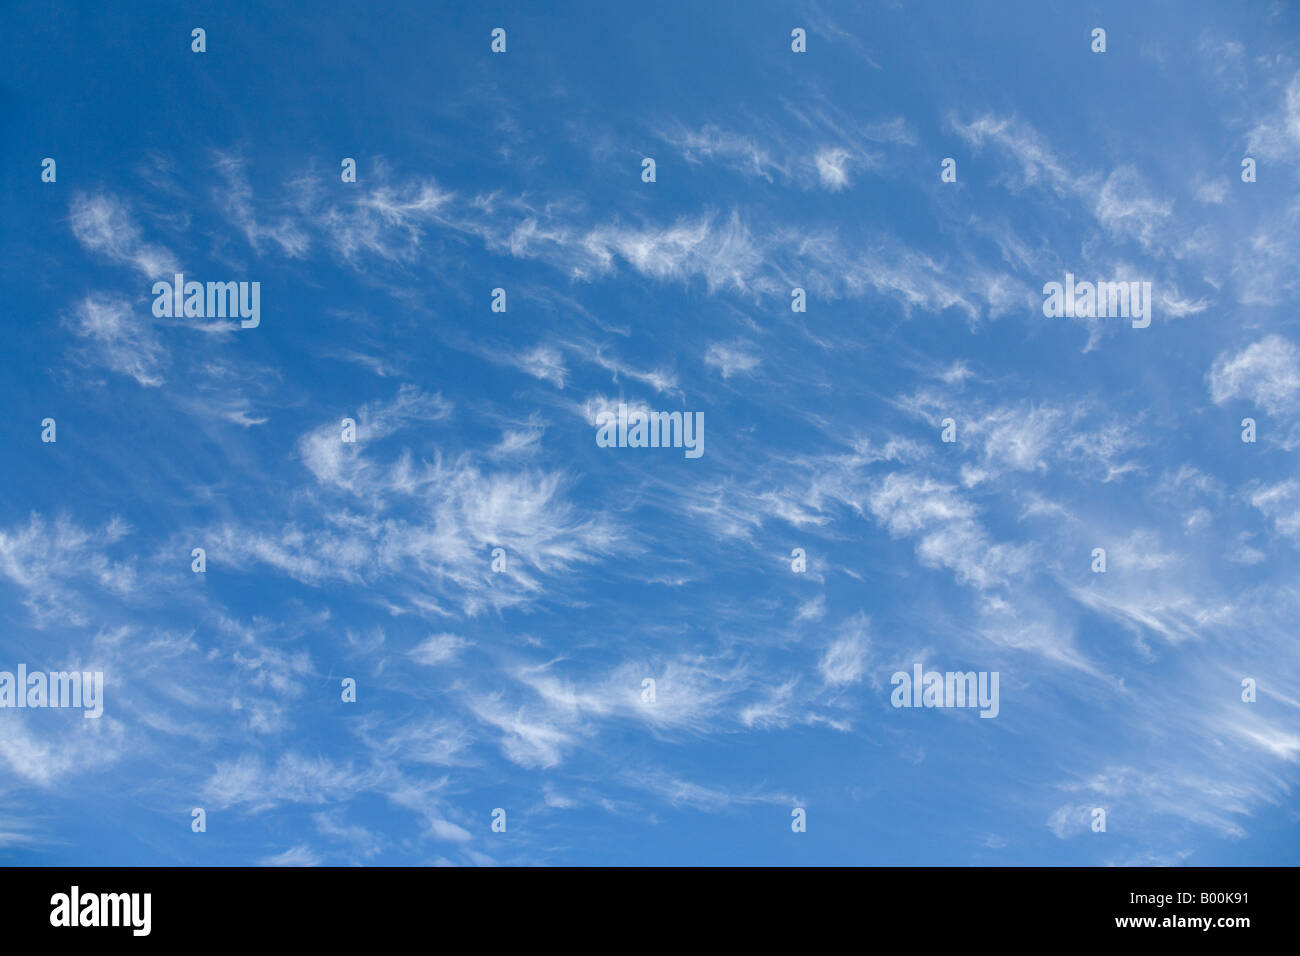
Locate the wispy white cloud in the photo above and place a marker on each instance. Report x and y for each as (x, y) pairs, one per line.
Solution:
(1266, 372)
(104, 224)
(117, 338)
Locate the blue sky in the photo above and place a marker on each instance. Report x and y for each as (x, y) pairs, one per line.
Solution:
(522, 689)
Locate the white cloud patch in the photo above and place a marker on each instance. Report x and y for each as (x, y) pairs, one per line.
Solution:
(731, 359)
(845, 659)
(833, 168)
(1267, 373)
(117, 338)
(103, 224)
(438, 649)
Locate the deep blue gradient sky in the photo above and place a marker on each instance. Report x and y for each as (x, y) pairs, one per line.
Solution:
(476, 430)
